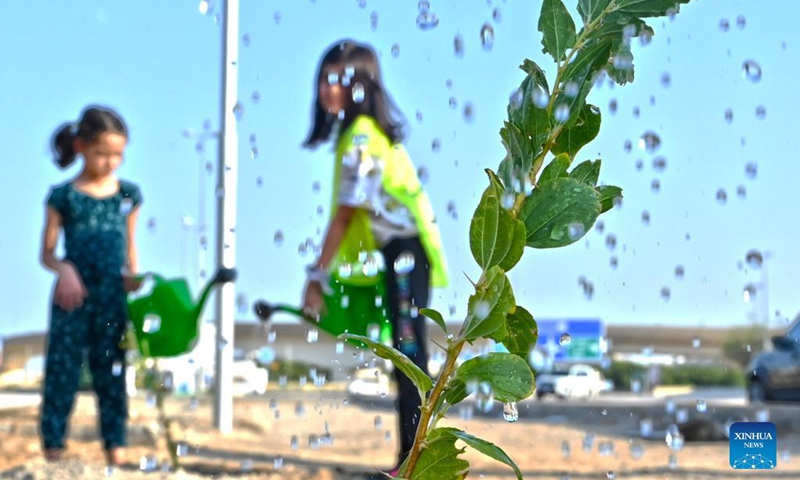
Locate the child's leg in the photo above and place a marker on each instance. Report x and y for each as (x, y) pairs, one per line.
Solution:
(66, 342)
(107, 363)
(406, 293)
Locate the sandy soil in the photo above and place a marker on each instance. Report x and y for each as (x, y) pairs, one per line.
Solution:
(362, 438)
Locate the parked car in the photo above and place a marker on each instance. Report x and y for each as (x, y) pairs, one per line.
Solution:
(580, 381)
(369, 383)
(775, 374)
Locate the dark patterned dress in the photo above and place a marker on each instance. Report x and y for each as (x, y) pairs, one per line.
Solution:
(95, 241)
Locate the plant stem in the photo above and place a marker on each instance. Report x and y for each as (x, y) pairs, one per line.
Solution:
(580, 42)
(427, 410)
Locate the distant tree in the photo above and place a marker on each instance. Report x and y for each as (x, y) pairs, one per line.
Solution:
(741, 344)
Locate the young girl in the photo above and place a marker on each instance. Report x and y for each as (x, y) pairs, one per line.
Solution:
(97, 213)
(378, 202)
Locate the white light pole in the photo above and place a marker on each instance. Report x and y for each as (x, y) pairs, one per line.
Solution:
(226, 219)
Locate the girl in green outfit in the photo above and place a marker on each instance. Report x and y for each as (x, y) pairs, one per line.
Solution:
(97, 213)
(378, 205)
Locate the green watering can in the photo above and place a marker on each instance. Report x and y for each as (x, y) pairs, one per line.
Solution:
(355, 309)
(166, 321)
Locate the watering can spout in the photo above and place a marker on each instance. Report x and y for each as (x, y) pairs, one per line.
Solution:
(264, 311)
(223, 275)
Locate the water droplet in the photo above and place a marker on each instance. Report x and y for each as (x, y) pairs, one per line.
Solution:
(650, 141)
(272, 335)
(278, 463)
(282, 380)
(751, 170)
(358, 92)
(148, 463)
(312, 335)
(565, 339)
(510, 413)
(295, 442)
(741, 22)
(571, 89)
(655, 185)
(116, 368)
(749, 294)
(469, 112)
(404, 263)
(436, 145)
(238, 110)
(611, 241)
(665, 293)
(637, 451)
(588, 442)
(507, 200)
(576, 230)
(339, 348)
(605, 449)
(673, 461)
(278, 238)
(702, 406)
(246, 39)
(679, 272)
(754, 259)
(453, 102)
(427, 20)
(253, 152)
(487, 36)
(613, 262)
(646, 217)
(722, 196)
(627, 146)
(151, 324)
(482, 310)
(646, 427)
(674, 438)
(761, 112)
(611, 475)
(622, 61)
(659, 164)
(751, 71)
(666, 79)
(724, 24)
(458, 45)
(612, 106)
(540, 98)
(741, 192)
(395, 50)
(373, 21)
(729, 115)
(562, 113)
(636, 112)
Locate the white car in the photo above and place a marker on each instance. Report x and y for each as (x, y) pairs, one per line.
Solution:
(371, 382)
(582, 381)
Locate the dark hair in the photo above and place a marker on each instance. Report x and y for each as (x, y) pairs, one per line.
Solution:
(361, 68)
(93, 122)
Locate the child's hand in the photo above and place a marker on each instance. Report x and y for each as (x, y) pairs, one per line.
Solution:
(131, 283)
(70, 290)
(313, 300)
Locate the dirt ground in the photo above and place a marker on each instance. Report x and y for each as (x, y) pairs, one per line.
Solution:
(359, 438)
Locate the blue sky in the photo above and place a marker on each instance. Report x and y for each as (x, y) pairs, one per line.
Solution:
(158, 63)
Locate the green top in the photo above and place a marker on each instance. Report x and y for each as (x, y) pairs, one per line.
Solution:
(399, 180)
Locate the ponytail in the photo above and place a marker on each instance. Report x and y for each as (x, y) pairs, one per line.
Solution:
(94, 122)
(63, 145)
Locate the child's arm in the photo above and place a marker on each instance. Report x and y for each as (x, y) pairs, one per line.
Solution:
(70, 290)
(133, 253)
(333, 238)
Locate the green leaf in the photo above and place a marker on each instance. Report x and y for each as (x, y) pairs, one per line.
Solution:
(607, 195)
(557, 168)
(522, 333)
(587, 172)
(618, 26)
(400, 361)
(583, 131)
(519, 159)
(620, 66)
(535, 72)
(455, 392)
(649, 8)
(509, 375)
(557, 28)
(489, 306)
(580, 74)
(591, 9)
(494, 234)
(439, 459)
(556, 207)
(435, 316)
(487, 448)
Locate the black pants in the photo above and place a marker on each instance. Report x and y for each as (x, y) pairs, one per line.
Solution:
(406, 289)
